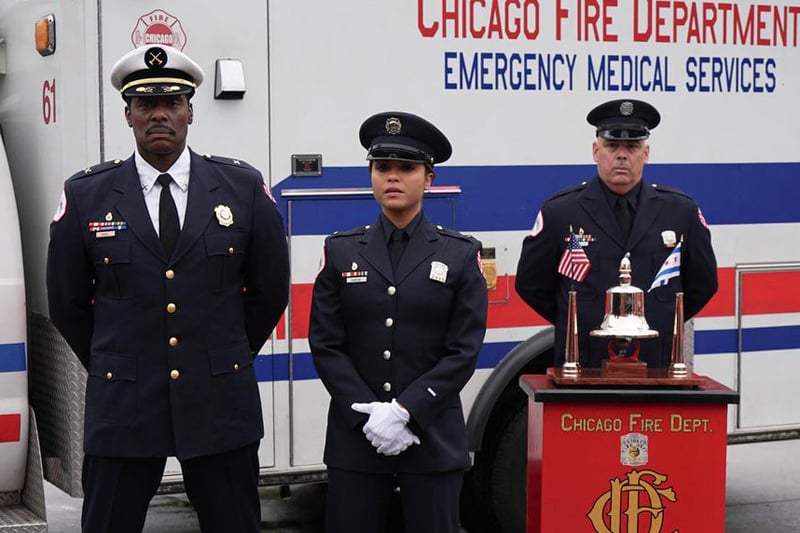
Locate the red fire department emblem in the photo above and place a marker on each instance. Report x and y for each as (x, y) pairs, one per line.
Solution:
(158, 28)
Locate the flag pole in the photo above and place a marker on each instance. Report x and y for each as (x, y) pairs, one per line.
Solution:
(572, 365)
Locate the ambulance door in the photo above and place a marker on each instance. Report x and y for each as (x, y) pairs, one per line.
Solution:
(769, 346)
(312, 214)
(229, 42)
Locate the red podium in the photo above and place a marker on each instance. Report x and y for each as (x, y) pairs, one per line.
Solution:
(610, 456)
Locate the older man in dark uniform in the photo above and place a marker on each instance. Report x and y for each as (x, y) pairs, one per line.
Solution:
(397, 320)
(166, 273)
(617, 213)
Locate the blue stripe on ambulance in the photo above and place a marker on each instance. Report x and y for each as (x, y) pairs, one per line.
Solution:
(276, 367)
(723, 341)
(484, 204)
(12, 357)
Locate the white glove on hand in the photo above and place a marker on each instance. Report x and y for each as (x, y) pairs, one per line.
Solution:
(403, 441)
(386, 421)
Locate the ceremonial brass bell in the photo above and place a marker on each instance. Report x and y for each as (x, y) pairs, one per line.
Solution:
(624, 309)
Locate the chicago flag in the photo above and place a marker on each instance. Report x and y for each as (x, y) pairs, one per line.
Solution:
(670, 269)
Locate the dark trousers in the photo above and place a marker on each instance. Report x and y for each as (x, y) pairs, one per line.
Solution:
(359, 502)
(223, 489)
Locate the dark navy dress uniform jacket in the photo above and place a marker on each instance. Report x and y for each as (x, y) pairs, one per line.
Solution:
(108, 296)
(585, 207)
(404, 336)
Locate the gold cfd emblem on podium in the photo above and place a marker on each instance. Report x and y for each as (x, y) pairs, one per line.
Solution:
(621, 507)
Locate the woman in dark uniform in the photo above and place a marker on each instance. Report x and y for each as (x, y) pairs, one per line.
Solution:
(397, 321)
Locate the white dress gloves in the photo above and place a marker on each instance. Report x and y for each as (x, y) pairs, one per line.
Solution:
(387, 428)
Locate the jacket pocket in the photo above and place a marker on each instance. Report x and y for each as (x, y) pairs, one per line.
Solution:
(111, 387)
(233, 381)
(225, 253)
(112, 268)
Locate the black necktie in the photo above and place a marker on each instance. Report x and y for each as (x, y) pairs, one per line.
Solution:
(397, 243)
(624, 216)
(168, 224)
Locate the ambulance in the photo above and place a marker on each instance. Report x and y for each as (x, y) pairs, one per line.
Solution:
(288, 82)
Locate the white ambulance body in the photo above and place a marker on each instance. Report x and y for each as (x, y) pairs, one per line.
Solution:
(21, 489)
(510, 83)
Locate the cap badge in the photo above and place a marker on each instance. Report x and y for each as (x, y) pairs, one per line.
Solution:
(224, 215)
(155, 58)
(393, 125)
(626, 109)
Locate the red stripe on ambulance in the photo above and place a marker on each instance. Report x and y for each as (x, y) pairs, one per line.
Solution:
(10, 427)
(778, 292)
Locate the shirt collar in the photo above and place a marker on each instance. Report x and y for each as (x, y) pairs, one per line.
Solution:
(179, 171)
(388, 227)
(632, 196)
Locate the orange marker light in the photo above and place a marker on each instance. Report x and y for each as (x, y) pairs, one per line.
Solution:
(46, 35)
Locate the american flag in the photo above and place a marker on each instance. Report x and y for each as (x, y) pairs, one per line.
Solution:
(574, 264)
(670, 269)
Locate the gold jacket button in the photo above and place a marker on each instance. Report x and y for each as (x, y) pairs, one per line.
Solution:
(106, 260)
(174, 374)
(109, 376)
(387, 354)
(230, 250)
(171, 307)
(391, 291)
(387, 387)
(173, 341)
(388, 322)
(235, 367)
(169, 274)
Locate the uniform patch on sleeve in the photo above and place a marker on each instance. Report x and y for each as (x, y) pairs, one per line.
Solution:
(480, 265)
(62, 207)
(538, 226)
(702, 218)
(322, 260)
(268, 192)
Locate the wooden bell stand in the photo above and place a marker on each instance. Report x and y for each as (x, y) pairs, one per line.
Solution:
(612, 450)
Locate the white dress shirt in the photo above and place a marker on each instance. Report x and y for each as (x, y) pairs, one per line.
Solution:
(179, 188)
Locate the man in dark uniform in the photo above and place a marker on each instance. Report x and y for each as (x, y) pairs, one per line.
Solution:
(166, 274)
(616, 213)
(397, 320)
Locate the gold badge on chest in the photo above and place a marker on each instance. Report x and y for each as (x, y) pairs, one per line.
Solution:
(224, 215)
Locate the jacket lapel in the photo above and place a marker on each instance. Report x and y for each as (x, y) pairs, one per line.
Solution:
(594, 202)
(420, 247)
(199, 208)
(375, 252)
(650, 205)
(134, 211)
